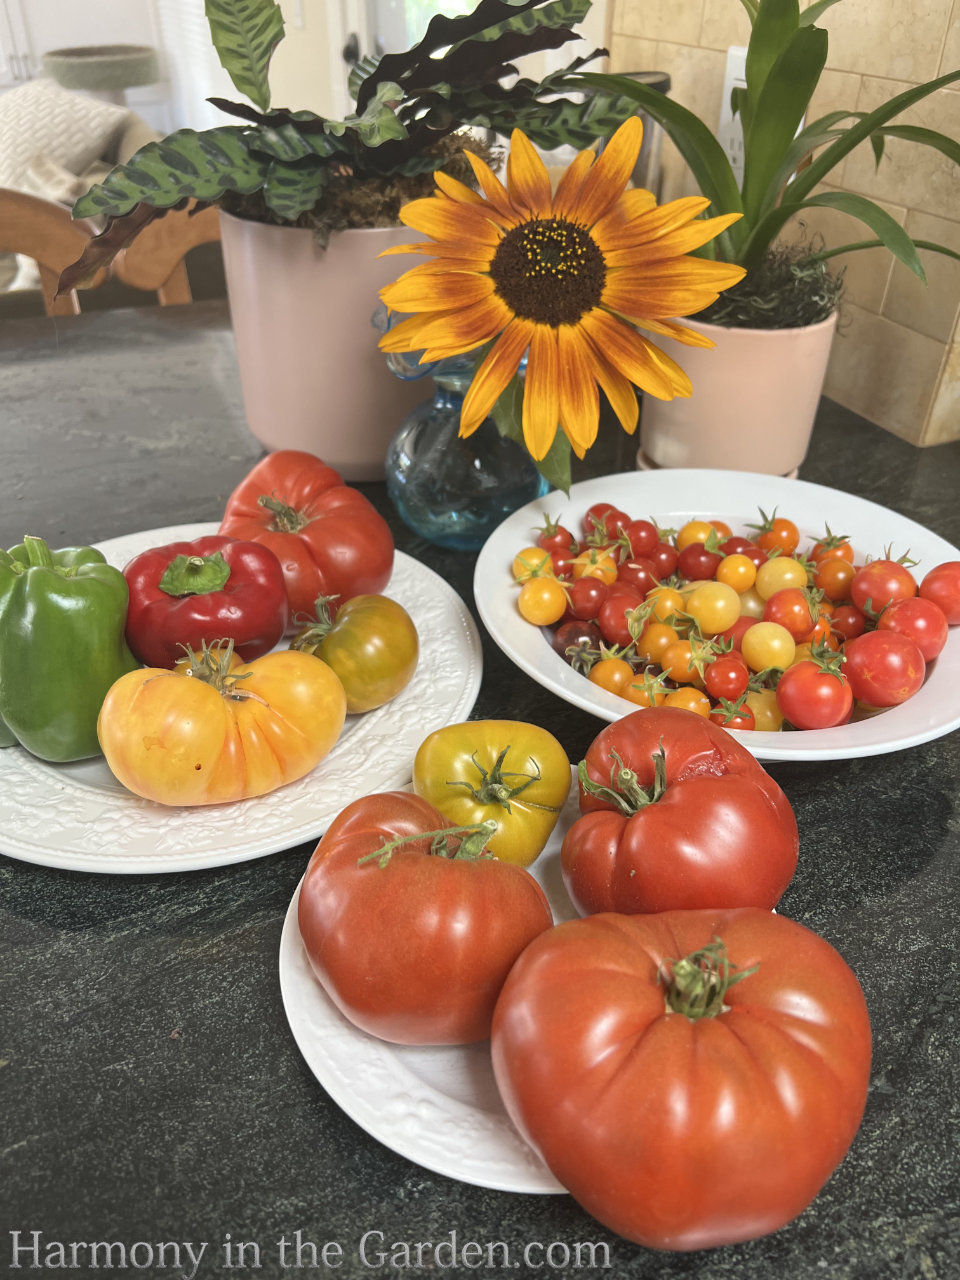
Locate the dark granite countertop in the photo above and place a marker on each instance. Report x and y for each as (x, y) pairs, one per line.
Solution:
(150, 1089)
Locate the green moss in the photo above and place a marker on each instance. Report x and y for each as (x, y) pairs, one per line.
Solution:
(789, 290)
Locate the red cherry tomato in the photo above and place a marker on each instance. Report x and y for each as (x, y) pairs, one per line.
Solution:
(640, 572)
(727, 677)
(696, 563)
(643, 536)
(585, 596)
(664, 557)
(847, 621)
(812, 698)
(942, 586)
(920, 619)
(879, 583)
(604, 521)
(883, 667)
(791, 608)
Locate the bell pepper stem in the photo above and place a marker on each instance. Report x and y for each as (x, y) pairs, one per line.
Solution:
(38, 552)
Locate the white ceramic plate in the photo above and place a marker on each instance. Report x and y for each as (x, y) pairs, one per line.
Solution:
(78, 817)
(439, 1106)
(672, 497)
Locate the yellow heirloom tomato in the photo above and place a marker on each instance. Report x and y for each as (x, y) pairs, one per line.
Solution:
(215, 729)
(507, 770)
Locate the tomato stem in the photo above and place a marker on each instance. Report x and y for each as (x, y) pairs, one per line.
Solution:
(494, 787)
(471, 847)
(286, 519)
(697, 984)
(625, 791)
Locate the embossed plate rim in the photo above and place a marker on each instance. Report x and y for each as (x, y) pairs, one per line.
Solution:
(40, 801)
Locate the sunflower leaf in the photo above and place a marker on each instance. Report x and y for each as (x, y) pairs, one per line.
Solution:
(507, 413)
(555, 467)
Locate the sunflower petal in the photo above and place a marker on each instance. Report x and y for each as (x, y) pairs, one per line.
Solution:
(494, 373)
(673, 244)
(652, 223)
(627, 352)
(527, 179)
(678, 332)
(457, 190)
(571, 184)
(466, 327)
(443, 219)
(541, 393)
(619, 390)
(607, 179)
(417, 290)
(579, 400)
(493, 189)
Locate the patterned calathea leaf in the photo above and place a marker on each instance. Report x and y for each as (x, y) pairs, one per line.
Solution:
(187, 163)
(245, 34)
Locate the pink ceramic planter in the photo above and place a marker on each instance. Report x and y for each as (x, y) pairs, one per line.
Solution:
(755, 397)
(311, 373)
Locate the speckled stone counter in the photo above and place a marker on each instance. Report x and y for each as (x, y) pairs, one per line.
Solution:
(150, 1089)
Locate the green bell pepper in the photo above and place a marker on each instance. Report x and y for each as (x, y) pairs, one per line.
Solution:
(62, 619)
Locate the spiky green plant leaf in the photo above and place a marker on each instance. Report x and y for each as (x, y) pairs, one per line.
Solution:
(245, 33)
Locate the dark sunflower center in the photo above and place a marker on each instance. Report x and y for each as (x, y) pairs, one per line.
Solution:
(550, 271)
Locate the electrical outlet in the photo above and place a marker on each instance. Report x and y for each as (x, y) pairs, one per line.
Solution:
(730, 129)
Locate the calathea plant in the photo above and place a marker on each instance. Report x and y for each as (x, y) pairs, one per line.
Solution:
(293, 167)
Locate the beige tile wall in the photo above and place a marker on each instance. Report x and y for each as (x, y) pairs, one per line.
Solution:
(896, 358)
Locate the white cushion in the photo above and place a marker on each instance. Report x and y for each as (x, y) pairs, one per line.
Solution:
(41, 118)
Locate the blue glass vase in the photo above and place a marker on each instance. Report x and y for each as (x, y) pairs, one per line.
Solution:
(452, 491)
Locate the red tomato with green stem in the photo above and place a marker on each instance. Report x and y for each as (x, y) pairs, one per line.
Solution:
(642, 536)
(794, 609)
(330, 540)
(676, 814)
(584, 598)
(777, 533)
(697, 562)
(727, 677)
(880, 583)
(662, 1065)
(408, 926)
(814, 693)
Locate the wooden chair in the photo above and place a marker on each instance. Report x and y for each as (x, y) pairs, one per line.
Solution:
(154, 262)
(44, 231)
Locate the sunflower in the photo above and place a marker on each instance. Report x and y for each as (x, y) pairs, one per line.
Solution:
(563, 278)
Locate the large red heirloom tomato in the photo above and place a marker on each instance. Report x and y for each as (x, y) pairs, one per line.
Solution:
(330, 540)
(676, 814)
(409, 928)
(692, 1077)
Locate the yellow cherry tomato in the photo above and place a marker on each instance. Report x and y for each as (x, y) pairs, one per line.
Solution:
(777, 574)
(668, 602)
(513, 772)
(693, 531)
(766, 712)
(767, 644)
(532, 562)
(677, 662)
(690, 700)
(542, 601)
(737, 571)
(612, 674)
(216, 729)
(752, 605)
(594, 563)
(654, 639)
(714, 607)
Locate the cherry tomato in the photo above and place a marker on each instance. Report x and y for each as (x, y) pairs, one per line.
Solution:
(734, 635)
(668, 602)
(677, 662)
(654, 639)
(585, 596)
(879, 583)
(779, 573)
(542, 601)
(665, 557)
(595, 563)
(562, 562)
(791, 608)
(737, 571)
(752, 604)
(714, 606)
(884, 668)
(646, 690)
(695, 562)
(920, 619)
(833, 577)
(768, 644)
(555, 537)
(693, 531)
(727, 677)
(689, 699)
(733, 715)
(576, 637)
(813, 698)
(832, 546)
(612, 618)
(603, 520)
(640, 572)
(612, 674)
(532, 562)
(848, 621)
(643, 536)
(768, 718)
(942, 585)
(777, 533)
